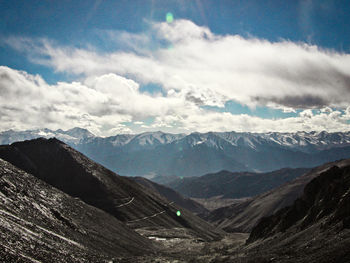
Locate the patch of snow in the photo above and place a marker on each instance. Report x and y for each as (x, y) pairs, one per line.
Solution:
(157, 238)
(199, 142)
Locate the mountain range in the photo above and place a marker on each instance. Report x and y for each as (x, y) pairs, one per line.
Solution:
(234, 185)
(157, 153)
(58, 205)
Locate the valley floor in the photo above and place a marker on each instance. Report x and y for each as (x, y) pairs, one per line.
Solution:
(179, 246)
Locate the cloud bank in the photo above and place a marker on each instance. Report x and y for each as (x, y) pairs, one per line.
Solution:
(194, 67)
(104, 105)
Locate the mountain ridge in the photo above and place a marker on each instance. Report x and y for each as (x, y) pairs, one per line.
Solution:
(243, 216)
(158, 153)
(63, 167)
(234, 184)
(314, 228)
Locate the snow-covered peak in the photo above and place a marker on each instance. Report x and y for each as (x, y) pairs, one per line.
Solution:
(153, 139)
(77, 132)
(304, 141)
(72, 136)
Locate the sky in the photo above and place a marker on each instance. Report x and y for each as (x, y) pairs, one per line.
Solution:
(177, 66)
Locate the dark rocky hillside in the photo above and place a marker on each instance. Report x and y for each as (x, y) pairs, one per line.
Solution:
(243, 216)
(234, 184)
(325, 199)
(39, 223)
(70, 171)
(172, 195)
(315, 228)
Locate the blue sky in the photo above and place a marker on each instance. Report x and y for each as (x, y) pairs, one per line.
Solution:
(220, 65)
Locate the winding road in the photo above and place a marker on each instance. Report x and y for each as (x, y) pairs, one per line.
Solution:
(146, 217)
(127, 203)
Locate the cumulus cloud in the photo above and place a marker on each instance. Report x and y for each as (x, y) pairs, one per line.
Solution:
(214, 68)
(204, 121)
(101, 104)
(105, 103)
(194, 67)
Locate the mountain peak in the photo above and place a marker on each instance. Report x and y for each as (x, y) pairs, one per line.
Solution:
(79, 132)
(72, 136)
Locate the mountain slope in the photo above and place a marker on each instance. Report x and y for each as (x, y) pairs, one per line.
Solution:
(70, 171)
(172, 195)
(325, 199)
(244, 216)
(40, 223)
(315, 228)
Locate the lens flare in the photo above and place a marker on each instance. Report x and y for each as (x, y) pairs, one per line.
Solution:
(169, 17)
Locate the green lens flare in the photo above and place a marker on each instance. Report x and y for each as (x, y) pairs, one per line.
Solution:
(169, 17)
(178, 213)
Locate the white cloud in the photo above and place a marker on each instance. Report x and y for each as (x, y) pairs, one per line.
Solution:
(103, 104)
(200, 68)
(204, 121)
(27, 101)
(214, 68)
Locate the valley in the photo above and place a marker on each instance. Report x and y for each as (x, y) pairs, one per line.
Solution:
(57, 203)
(173, 131)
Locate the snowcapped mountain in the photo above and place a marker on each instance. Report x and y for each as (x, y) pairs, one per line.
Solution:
(158, 153)
(304, 141)
(72, 136)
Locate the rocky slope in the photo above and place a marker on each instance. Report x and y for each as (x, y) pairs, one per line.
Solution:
(315, 228)
(325, 199)
(39, 223)
(243, 216)
(73, 173)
